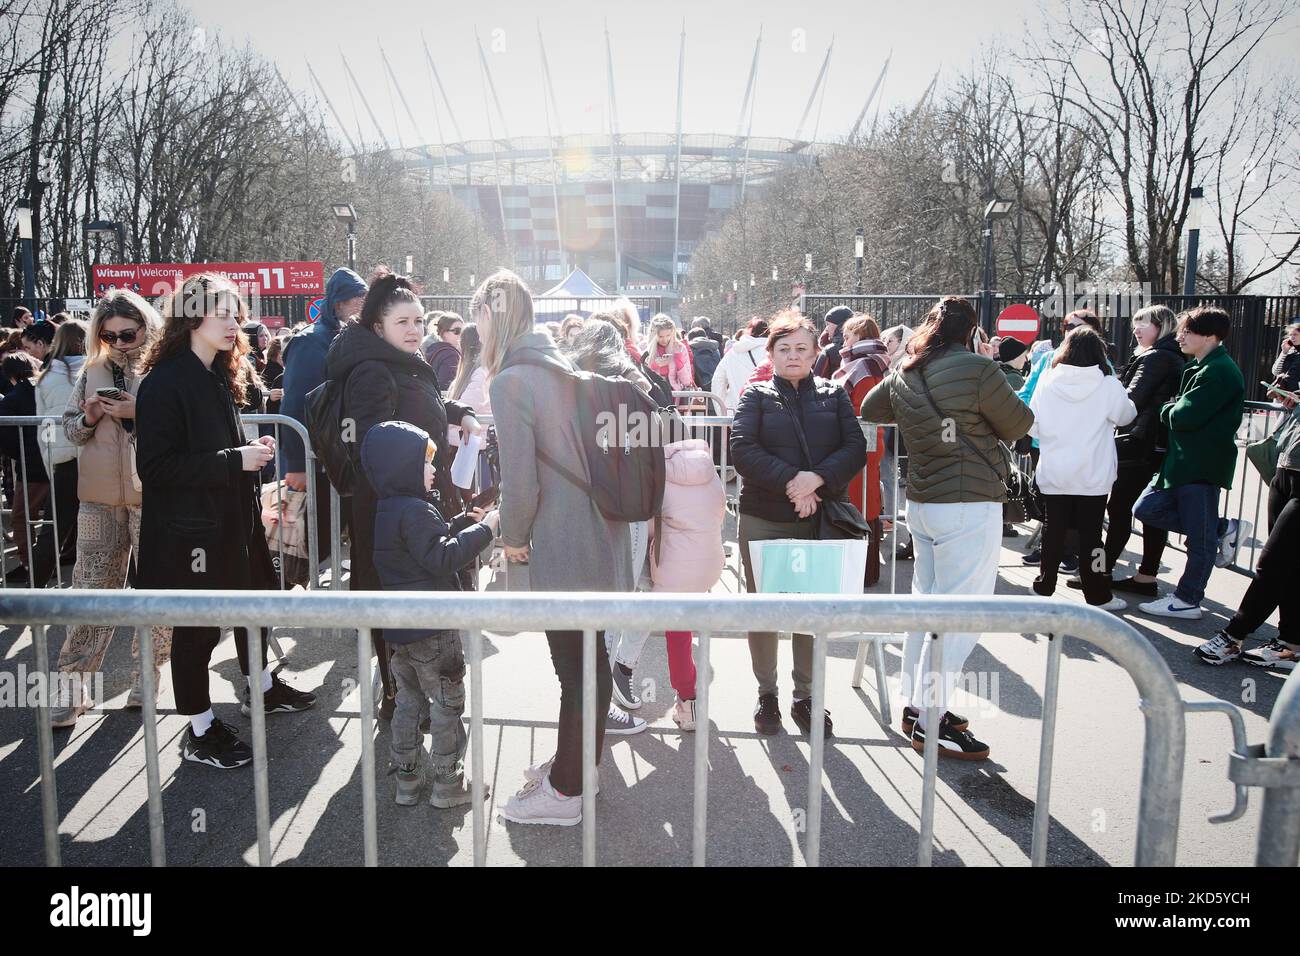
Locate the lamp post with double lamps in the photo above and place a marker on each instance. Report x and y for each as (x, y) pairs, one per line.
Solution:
(344, 213)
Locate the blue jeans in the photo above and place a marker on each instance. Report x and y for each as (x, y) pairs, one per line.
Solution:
(1193, 511)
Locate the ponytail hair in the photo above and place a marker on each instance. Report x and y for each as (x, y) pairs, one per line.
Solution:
(949, 322)
(386, 291)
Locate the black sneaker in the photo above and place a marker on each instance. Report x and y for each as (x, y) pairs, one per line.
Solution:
(1009, 531)
(1033, 557)
(905, 553)
(911, 713)
(767, 715)
(1134, 586)
(957, 744)
(801, 712)
(1070, 564)
(219, 747)
(280, 699)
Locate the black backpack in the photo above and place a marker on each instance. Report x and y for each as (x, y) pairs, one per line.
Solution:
(660, 388)
(324, 408)
(623, 433)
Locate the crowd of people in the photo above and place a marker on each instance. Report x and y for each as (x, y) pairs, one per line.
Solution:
(155, 483)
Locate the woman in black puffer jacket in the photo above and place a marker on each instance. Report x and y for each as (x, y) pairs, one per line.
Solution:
(387, 379)
(1151, 379)
(783, 489)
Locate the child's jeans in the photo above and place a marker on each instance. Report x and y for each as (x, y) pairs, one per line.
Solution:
(430, 682)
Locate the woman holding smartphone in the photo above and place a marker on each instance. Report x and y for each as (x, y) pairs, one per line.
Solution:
(202, 527)
(100, 420)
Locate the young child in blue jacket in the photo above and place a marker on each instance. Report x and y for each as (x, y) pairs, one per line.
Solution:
(417, 550)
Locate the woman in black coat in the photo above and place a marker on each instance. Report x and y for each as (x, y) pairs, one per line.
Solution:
(783, 489)
(387, 379)
(200, 523)
(1151, 379)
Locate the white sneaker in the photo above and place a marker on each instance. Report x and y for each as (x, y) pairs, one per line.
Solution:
(1237, 532)
(64, 709)
(622, 724)
(1273, 654)
(1171, 607)
(1114, 604)
(543, 770)
(538, 802)
(683, 714)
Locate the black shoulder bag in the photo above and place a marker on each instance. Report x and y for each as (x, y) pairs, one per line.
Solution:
(838, 518)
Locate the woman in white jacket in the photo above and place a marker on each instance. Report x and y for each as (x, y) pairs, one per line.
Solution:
(735, 368)
(54, 387)
(1077, 406)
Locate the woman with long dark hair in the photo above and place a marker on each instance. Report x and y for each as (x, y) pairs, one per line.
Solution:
(387, 379)
(954, 408)
(201, 524)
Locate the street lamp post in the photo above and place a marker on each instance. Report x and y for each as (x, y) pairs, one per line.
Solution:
(1193, 239)
(24, 213)
(859, 247)
(996, 209)
(344, 212)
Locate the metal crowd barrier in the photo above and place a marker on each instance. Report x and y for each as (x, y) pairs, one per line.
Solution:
(710, 617)
(49, 426)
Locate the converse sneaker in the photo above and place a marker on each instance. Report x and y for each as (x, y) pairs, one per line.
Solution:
(1218, 650)
(957, 744)
(410, 779)
(1172, 607)
(539, 802)
(453, 788)
(955, 721)
(543, 770)
(767, 715)
(624, 695)
(683, 714)
(280, 699)
(219, 747)
(1235, 533)
(622, 724)
(801, 713)
(1273, 654)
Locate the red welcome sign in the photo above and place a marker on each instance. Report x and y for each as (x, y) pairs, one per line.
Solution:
(253, 278)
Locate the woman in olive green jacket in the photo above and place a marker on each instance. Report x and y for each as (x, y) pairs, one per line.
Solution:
(954, 409)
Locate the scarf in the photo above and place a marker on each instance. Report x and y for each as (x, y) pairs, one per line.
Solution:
(866, 359)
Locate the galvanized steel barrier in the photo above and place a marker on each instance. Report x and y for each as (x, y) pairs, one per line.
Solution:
(707, 615)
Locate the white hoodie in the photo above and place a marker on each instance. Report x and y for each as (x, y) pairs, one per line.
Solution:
(1076, 411)
(736, 367)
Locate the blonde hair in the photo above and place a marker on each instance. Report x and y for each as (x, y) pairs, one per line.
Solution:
(509, 305)
(121, 304)
(1161, 316)
(657, 324)
(631, 315)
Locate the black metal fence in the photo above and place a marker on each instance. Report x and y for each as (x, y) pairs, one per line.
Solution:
(1258, 321)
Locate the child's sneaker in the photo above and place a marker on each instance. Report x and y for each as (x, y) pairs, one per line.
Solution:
(622, 724)
(624, 695)
(539, 802)
(684, 714)
(1273, 654)
(1218, 650)
(409, 781)
(453, 789)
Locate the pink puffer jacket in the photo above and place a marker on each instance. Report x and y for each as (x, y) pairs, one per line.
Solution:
(691, 555)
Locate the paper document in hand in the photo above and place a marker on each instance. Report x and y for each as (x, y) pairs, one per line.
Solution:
(462, 469)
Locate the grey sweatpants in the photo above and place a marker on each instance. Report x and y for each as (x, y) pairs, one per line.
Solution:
(763, 644)
(430, 676)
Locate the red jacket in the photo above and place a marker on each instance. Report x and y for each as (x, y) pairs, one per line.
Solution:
(864, 366)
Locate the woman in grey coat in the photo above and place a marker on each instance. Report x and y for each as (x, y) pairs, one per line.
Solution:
(548, 521)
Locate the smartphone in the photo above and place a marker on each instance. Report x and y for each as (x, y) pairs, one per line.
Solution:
(109, 392)
(1274, 390)
(485, 498)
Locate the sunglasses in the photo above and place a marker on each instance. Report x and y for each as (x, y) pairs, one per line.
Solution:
(126, 337)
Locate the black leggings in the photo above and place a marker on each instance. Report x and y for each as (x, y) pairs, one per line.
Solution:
(566, 655)
(1274, 584)
(1132, 479)
(1082, 514)
(191, 652)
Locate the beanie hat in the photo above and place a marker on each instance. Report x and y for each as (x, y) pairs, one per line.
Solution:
(1009, 349)
(839, 315)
